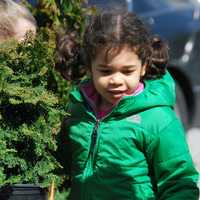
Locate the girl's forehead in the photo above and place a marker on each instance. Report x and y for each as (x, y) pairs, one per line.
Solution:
(117, 58)
(108, 53)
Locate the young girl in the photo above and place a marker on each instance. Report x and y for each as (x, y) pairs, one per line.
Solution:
(122, 140)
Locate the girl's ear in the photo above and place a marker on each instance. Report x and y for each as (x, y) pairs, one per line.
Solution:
(143, 70)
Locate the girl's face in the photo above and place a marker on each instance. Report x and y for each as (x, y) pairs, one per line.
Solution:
(117, 77)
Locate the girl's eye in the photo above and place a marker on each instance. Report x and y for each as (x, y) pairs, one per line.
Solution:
(105, 71)
(128, 72)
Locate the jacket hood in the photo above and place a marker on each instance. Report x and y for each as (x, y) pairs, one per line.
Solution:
(157, 92)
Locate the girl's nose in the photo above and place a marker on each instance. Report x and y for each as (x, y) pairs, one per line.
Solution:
(116, 79)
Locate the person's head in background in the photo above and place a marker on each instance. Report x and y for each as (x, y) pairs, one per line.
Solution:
(16, 21)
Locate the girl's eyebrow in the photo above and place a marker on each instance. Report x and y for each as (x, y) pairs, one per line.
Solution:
(129, 66)
(110, 66)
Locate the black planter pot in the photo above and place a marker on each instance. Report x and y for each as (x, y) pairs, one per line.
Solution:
(23, 192)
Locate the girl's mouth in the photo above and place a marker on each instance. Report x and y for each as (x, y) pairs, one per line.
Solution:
(117, 94)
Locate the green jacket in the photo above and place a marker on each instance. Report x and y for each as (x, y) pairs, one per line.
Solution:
(137, 152)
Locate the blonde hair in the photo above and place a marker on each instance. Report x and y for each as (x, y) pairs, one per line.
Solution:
(10, 14)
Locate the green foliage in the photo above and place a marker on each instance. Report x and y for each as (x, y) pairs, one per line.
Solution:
(31, 108)
(69, 14)
(33, 97)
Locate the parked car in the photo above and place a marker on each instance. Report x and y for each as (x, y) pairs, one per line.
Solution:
(178, 22)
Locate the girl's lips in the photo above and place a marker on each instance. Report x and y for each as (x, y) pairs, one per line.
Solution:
(117, 94)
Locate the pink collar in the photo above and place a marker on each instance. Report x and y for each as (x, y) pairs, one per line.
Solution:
(93, 98)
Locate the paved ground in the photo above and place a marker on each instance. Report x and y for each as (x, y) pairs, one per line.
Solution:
(193, 137)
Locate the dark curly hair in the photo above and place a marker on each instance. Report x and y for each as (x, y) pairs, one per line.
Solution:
(111, 30)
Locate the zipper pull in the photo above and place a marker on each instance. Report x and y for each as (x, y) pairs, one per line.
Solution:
(94, 134)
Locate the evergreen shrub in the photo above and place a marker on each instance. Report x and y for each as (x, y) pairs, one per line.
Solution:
(31, 108)
(33, 97)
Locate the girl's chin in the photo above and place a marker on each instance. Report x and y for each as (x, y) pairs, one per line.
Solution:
(111, 101)
(108, 103)
(115, 100)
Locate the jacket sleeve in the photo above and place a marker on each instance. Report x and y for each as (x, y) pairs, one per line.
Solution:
(174, 173)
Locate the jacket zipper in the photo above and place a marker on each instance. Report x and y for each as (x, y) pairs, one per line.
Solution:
(93, 147)
(94, 139)
(89, 166)
(90, 161)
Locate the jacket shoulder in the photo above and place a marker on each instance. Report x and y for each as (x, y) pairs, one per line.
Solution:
(157, 118)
